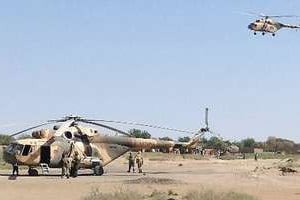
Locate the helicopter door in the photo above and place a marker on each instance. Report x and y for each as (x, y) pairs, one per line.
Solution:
(45, 154)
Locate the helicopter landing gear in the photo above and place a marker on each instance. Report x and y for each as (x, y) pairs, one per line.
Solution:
(273, 34)
(254, 33)
(98, 170)
(33, 172)
(263, 33)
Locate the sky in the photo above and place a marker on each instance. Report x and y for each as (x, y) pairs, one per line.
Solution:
(157, 62)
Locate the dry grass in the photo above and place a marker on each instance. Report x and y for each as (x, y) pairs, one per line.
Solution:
(118, 195)
(170, 195)
(152, 180)
(158, 156)
(212, 195)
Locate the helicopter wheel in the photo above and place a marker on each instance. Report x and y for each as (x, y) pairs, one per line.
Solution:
(263, 33)
(273, 34)
(254, 33)
(98, 170)
(33, 172)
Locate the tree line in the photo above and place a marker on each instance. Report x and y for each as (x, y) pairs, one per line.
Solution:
(272, 144)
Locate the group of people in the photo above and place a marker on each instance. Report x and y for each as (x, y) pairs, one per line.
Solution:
(70, 165)
(138, 159)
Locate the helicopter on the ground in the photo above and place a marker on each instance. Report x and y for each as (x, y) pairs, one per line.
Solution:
(47, 146)
(267, 24)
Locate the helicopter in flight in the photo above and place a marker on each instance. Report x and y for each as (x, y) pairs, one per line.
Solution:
(96, 150)
(268, 24)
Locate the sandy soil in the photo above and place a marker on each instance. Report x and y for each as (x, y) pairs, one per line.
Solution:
(266, 182)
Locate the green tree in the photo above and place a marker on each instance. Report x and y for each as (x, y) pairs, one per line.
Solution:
(166, 138)
(24, 136)
(204, 142)
(279, 144)
(139, 133)
(5, 139)
(216, 143)
(184, 139)
(248, 143)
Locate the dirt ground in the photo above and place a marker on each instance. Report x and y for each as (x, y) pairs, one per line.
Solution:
(261, 179)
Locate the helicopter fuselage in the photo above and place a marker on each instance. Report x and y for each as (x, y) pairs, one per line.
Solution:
(267, 25)
(263, 25)
(96, 147)
(33, 152)
(48, 146)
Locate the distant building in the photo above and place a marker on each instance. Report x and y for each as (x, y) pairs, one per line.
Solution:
(209, 152)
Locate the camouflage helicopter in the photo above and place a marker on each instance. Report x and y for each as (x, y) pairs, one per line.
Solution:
(47, 146)
(267, 24)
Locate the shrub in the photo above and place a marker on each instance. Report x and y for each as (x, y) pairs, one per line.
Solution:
(212, 195)
(117, 195)
(159, 195)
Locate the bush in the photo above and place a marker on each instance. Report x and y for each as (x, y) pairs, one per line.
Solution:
(5, 139)
(212, 195)
(118, 195)
(3, 164)
(159, 195)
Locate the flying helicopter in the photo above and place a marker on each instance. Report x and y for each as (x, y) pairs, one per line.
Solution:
(47, 146)
(268, 24)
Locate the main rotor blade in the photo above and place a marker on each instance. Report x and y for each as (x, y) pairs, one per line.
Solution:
(281, 16)
(264, 15)
(66, 118)
(141, 124)
(65, 125)
(249, 13)
(105, 126)
(30, 128)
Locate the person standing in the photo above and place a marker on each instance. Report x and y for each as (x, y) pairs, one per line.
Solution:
(139, 161)
(256, 156)
(15, 168)
(66, 166)
(218, 154)
(130, 162)
(75, 164)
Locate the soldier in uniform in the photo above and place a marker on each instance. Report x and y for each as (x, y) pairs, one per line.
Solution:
(130, 162)
(15, 168)
(75, 164)
(255, 156)
(66, 166)
(139, 161)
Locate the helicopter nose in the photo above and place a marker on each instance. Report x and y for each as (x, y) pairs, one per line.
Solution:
(250, 26)
(9, 156)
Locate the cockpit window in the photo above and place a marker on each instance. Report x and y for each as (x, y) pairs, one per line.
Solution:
(26, 150)
(18, 148)
(15, 148)
(10, 147)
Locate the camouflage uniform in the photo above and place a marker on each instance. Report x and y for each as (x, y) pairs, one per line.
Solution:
(75, 164)
(255, 156)
(130, 162)
(66, 166)
(139, 161)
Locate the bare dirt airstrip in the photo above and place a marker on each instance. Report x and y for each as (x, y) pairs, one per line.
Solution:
(260, 179)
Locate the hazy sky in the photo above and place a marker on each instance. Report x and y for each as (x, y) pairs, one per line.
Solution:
(160, 62)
